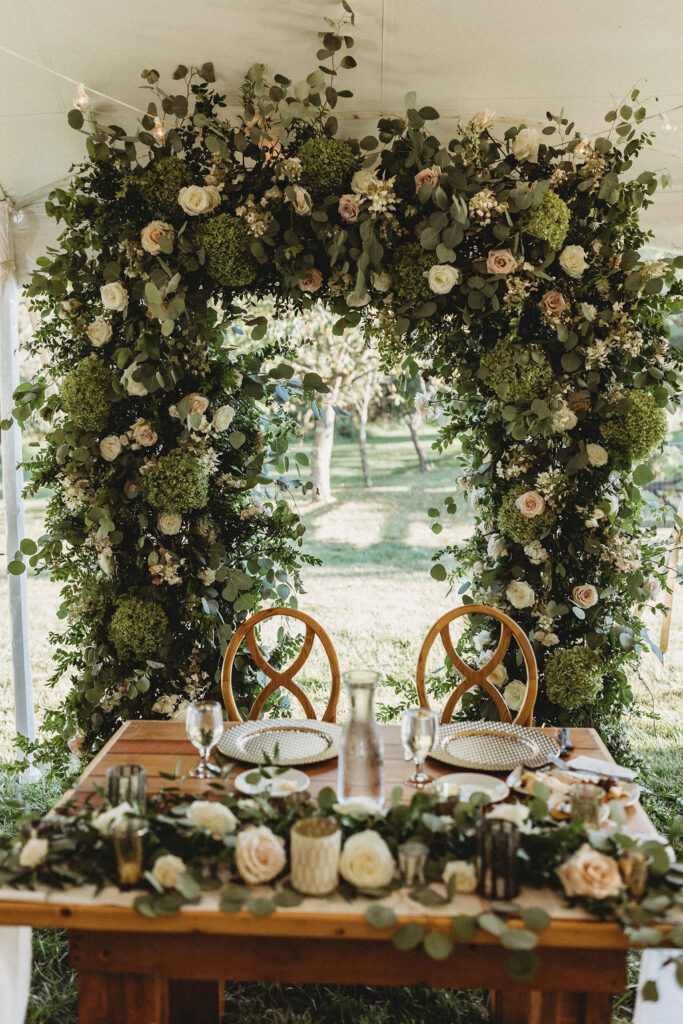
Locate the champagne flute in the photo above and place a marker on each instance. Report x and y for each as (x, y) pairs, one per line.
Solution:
(418, 734)
(204, 726)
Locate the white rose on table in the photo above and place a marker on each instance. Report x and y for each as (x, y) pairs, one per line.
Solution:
(530, 504)
(516, 813)
(366, 861)
(496, 547)
(573, 260)
(585, 595)
(501, 261)
(181, 711)
(596, 454)
(259, 854)
(99, 332)
(168, 869)
(520, 594)
(114, 296)
(362, 181)
(498, 676)
(360, 807)
(223, 417)
(514, 694)
(33, 852)
(302, 201)
(590, 874)
(150, 235)
(380, 282)
(212, 816)
(525, 145)
(442, 278)
(105, 820)
(464, 873)
(110, 447)
(164, 705)
(169, 523)
(349, 208)
(195, 200)
(143, 433)
(133, 387)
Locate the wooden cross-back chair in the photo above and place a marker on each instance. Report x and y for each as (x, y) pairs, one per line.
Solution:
(279, 678)
(479, 676)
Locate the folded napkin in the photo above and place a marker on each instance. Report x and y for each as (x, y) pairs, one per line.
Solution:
(595, 764)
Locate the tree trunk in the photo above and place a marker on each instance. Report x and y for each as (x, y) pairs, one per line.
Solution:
(413, 421)
(363, 409)
(321, 456)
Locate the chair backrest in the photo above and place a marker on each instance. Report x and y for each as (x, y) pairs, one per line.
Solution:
(479, 676)
(284, 678)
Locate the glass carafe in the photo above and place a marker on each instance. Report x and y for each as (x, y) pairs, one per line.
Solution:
(361, 752)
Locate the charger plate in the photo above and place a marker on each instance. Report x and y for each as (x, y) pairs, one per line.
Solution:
(282, 741)
(492, 746)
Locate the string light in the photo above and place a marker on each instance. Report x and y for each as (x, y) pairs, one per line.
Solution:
(667, 126)
(582, 147)
(159, 132)
(82, 99)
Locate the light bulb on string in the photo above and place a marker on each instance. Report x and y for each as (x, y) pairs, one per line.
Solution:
(82, 100)
(582, 147)
(159, 132)
(667, 126)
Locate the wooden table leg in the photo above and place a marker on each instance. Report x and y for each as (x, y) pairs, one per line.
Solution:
(192, 1001)
(105, 998)
(529, 1006)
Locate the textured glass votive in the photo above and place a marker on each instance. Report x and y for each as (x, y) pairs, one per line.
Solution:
(315, 846)
(586, 801)
(127, 837)
(496, 859)
(634, 868)
(127, 783)
(412, 858)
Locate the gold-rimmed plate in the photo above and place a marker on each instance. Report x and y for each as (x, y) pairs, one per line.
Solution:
(282, 741)
(492, 746)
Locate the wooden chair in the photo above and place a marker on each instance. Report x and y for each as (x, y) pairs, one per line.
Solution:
(279, 678)
(478, 677)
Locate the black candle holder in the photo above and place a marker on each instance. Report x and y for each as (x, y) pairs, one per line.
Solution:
(496, 859)
(127, 783)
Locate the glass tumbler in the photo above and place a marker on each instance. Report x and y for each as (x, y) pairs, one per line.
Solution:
(361, 752)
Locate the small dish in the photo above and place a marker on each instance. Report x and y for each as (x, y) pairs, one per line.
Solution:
(272, 782)
(474, 782)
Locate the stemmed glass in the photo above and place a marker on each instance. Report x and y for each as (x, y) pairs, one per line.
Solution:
(418, 734)
(204, 726)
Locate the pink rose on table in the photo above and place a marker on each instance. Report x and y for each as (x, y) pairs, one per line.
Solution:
(530, 504)
(590, 874)
(259, 854)
(553, 303)
(501, 261)
(311, 280)
(150, 235)
(585, 595)
(349, 208)
(427, 176)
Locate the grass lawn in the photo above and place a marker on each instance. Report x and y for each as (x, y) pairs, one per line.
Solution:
(376, 598)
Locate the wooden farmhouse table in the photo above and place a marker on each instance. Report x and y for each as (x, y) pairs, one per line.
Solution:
(170, 970)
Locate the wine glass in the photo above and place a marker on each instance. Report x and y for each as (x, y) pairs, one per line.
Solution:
(418, 734)
(204, 726)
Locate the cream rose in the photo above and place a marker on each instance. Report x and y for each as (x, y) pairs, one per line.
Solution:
(302, 201)
(195, 199)
(516, 813)
(366, 861)
(197, 403)
(133, 387)
(105, 560)
(259, 854)
(525, 145)
(514, 694)
(573, 260)
(311, 280)
(501, 261)
(169, 523)
(212, 816)
(215, 195)
(427, 176)
(597, 455)
(380, 282)
(114, 296)
(483, 119)
(590, 874)
(362, 181)
(585, 595)
(105, 820)
(360, 806)
(520, 594)
(553, 303)
(33, 852)
(563, 419)
(150, 235)
(498, 676)
(110, 447)
(349, 208)
(496, 547)
(168, 869)
(223, 417)
(143, 433)
(442, 278)
(464, 873)
(530, 504)
(164, 705)
(99, 332)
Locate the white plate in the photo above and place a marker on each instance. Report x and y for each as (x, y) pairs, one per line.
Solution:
(492, 746)
(472, 782)
(281, 784)
(285, 741)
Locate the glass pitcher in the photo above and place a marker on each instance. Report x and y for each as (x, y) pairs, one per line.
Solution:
(361, 751)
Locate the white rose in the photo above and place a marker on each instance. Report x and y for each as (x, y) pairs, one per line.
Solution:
(563, 418)
(380, 282)
(106, 819)
(573, 260)
(362, 181)
(520, 594)
(110, 447)
(197, 403)
(496, 546)
(259, 854)
(114, 296)
(360, 806)
(194, 199)
(150, 235)
(133, 387)
(585, 595)
(169, 523)
(168, 869)
(99, 332)
(597, 455)
(223, 417)
(143, 433)
(498, 676)
(442, 278)
(366, 861)
(525, 145)
(590, 874)
(106, 561)
(516, 813)
(464, 873)
(302, 201)
(214, 817)
(530, 504)
(514, 694)
(181, 711)
(33, 852)
(164, 705)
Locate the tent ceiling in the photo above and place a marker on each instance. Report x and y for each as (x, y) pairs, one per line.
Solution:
(520, 59)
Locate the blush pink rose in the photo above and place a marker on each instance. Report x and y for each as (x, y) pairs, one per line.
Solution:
(585, 595)
(427, 176)
(311, 281)
(530, 504)
(349, 208)
(150, 235)
(590, 874)
(198, 403)
(501, 261)
(553, 303)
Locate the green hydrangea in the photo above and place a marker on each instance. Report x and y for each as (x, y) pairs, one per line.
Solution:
(177, 483)
(161, 183)
(639, 429)
(522, 529)
(549, 221)
(85, 394)
(515, 381)
(573, 676)
(326, 166)
(226, 243)
(408, 268)
(137, 627)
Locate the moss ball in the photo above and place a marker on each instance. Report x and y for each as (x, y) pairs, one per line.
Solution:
(409, 267)
(639, 428)
(177, 483)
(137, 627)
(161, 182)
(326, 166)
(549, 220)
(226, 240)
(517, 373)
(518, 528)
(573, 676)
(85, 394)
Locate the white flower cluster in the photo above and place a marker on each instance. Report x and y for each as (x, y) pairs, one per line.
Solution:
(167, 569)
(76, 491)
(258, 220)
(484, 206)
(536, 553)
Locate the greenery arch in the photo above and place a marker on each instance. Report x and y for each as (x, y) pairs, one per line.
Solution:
(508, 268)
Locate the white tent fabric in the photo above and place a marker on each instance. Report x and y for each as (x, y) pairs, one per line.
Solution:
(15, 974)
